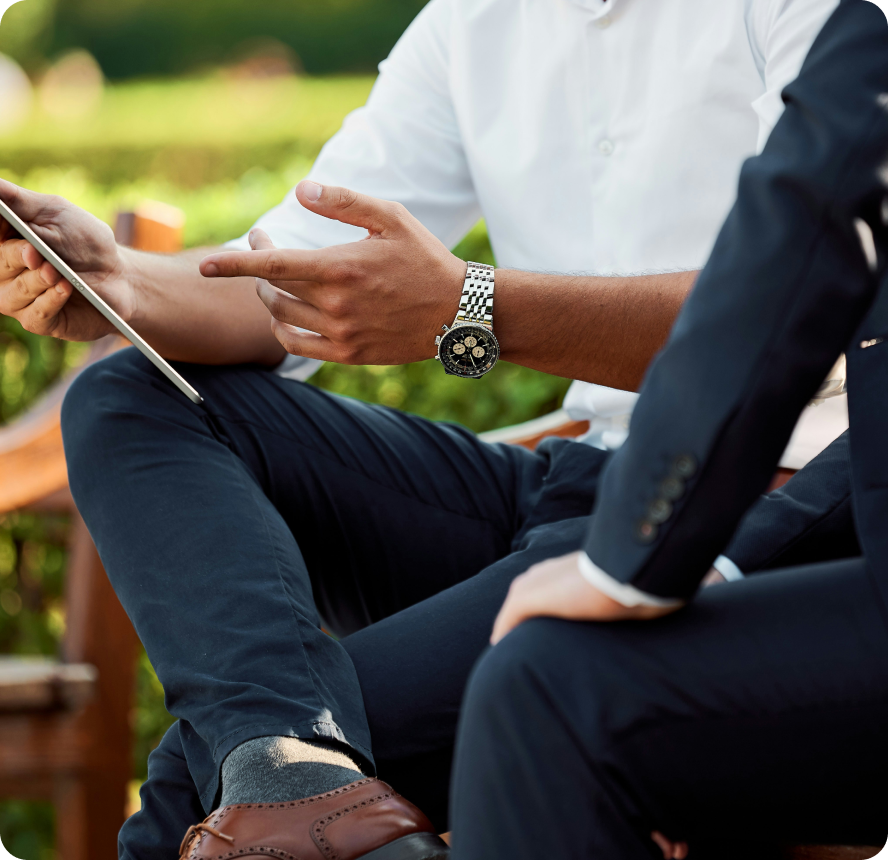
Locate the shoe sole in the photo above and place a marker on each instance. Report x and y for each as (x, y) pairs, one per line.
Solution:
(418, 846)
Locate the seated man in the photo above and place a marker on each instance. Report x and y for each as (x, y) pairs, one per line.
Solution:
(756, 712)
(230, 530)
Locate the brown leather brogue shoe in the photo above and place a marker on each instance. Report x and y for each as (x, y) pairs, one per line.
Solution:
(366, 819)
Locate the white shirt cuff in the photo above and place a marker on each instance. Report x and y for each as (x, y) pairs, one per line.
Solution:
(628, 595)
(728, 569)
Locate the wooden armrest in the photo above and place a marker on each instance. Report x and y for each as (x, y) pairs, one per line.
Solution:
(42, 685)
(32, 459)
(531, 433)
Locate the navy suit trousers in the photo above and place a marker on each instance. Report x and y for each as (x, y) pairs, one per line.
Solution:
(756, 714)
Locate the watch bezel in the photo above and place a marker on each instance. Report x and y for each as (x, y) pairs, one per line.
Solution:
(458, 327)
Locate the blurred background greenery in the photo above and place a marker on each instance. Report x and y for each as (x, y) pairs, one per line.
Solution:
(196, 105)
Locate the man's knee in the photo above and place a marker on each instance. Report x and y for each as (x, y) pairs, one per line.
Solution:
(100, 405)
(537, 681)
(106, 387)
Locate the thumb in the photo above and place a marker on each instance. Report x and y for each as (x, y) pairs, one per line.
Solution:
(349, 207)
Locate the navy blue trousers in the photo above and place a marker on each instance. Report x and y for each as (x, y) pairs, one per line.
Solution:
(232, 531)
(755, 714)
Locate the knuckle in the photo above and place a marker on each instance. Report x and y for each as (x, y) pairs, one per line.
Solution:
(351, 354)
(55, 203)
(345, 332)
(35, 323)
(275, 267)
(343, 272)
(274, 304)
(11, 254)
(290, 344)
(398, 212)
(345, 198)
(336, 306)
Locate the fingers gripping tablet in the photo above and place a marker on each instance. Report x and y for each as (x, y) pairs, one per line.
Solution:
(99, 303)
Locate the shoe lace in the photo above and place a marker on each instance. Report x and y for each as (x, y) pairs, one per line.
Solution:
(194, 831)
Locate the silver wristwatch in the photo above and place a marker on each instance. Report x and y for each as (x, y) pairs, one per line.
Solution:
(469, 348)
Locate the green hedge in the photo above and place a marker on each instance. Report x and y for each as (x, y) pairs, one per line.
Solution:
(163, 37)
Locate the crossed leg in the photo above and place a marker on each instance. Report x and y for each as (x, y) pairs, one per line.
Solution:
(230, 531)
(757, 713)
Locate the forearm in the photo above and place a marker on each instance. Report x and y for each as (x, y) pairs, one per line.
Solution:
(187, 317)
(600, 329)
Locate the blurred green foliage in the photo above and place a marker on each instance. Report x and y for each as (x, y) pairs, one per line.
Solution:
(28, 829)
(222, 205)
(28, 32)
(184, 132)
(32, 562)
(162, 37)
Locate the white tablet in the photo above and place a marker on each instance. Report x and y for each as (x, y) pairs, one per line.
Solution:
(99, 303)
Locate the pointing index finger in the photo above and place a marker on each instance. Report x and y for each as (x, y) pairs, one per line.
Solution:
(273, 264)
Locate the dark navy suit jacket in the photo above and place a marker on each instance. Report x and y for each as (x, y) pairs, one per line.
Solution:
(789, 286)
(808, 520)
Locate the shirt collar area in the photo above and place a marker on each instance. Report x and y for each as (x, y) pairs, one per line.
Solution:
(598, 8)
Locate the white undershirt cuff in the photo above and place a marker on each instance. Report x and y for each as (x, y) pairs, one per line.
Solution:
(728, 569)
(628, 595)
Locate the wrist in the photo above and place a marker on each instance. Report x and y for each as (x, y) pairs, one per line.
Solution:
(469, 348)
(129, 282)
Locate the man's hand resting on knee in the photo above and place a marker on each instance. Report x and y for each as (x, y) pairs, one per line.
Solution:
(32, 292)
(556, 588)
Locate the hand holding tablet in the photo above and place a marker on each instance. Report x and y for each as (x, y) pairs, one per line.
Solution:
(40, 294)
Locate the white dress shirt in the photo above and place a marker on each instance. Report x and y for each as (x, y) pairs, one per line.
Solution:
(594, 136)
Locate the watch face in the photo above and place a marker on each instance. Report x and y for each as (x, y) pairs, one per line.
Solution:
(469, 350)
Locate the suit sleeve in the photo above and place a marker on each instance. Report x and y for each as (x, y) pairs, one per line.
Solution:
(780, 298)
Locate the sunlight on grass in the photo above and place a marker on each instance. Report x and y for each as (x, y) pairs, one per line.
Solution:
(215, 110)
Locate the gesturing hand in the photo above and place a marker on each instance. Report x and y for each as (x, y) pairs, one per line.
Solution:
(31, 290)
(377, 301)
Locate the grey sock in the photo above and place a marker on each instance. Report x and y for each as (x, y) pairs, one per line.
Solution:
(276, 769)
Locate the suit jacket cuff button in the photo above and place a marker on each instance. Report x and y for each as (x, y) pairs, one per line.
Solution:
(646, 531)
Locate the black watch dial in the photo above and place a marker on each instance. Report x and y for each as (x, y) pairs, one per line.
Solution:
(469, 350)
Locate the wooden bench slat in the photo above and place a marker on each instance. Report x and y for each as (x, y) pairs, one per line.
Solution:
(41, 685)
(531, 433)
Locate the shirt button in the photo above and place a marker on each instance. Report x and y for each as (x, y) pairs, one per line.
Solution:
(606, 147)
(603, 23)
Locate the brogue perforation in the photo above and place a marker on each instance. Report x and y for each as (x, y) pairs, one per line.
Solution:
(320, 826)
